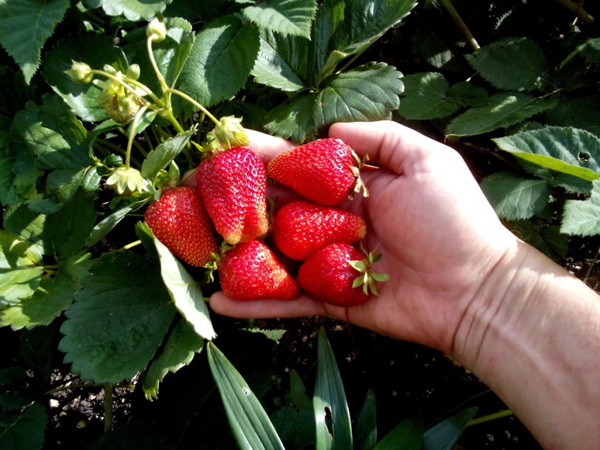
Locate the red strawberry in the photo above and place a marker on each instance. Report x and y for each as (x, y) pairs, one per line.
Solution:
(301, 228)
(250, 271)
(335, 273)
(232, 185)
(324, 171)
(179, 221)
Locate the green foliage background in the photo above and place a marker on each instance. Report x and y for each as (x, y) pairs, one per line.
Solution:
(512, 85)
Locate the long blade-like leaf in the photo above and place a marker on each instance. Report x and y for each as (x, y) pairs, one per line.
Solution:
(249, 422)
(332, 416)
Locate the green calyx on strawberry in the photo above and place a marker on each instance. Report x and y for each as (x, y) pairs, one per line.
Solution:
(178, 220)
(301, 228)
(325, 171)
(336, 273)
(230, 133)
(232, 185)
(250, 271)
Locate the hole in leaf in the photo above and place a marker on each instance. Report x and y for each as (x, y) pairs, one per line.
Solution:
(584, 157)
(328, 420)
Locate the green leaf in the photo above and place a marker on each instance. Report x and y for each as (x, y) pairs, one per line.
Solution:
(369, 92)
(54, 295)
(118, 320)
(407, 435)
(582, 217)
(425, 97)
(185, 292)
(293, 119)
(98, 50)
(25, 25)
(248, 420)
(514, 197)
(69, 228)
(166, 152)
(6, 176)
(220, 61)
(179, 350)
(365, 21)
(24, 431)
(501, 111)
(134, 10)
(298, 392)
(366, 424)
(283, 16)
(332, 416)
(29, 225)
(563, 149)
(467, 93)
(590, 50)
(109, 222)
(20, 268)
(578, 112)
(444, 435)
(53, 135)
(515, 64)
(272, 69)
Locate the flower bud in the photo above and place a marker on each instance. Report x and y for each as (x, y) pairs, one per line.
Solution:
(156, 30)
(80, 72)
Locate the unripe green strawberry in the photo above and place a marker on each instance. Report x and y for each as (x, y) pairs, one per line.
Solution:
(325, 171)
(232, 185)
(250, 271)
(340, 274)
(301, 228)
(179, 221)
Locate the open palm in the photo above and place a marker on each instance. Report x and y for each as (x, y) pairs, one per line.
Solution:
(426, 214)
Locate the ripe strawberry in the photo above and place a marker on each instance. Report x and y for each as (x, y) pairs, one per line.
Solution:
(250, 271)
(302, 228)
(324, 171)
(335, 273)
(179, 221)
(232, 185)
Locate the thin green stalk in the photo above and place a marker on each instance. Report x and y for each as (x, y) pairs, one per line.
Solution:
(195, 103)
(146, 89)
(159, 75)
(577, 8)
(130, 245)
(588, 273)
(460, 24)
(490, 417)
(132, 129)
(108, 406)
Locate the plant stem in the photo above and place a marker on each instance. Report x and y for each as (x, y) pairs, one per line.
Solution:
(592, 264)
(195, 103)
(130, 245)
(108, 404)
(459, 22)
(577, 8)
(159, 75)
(132, 129)
(490, 417)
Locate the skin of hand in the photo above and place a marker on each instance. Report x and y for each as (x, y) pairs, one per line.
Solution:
(426, 214)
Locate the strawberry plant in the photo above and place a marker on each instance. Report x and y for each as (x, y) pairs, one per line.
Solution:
(109, 106)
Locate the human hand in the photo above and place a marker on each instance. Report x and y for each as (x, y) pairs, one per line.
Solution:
(426, 214)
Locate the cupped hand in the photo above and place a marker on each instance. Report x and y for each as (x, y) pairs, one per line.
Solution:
(426, 214)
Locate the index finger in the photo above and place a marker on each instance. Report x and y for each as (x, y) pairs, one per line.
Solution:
(265, 146)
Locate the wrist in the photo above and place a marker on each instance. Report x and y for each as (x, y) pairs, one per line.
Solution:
(533, 336)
